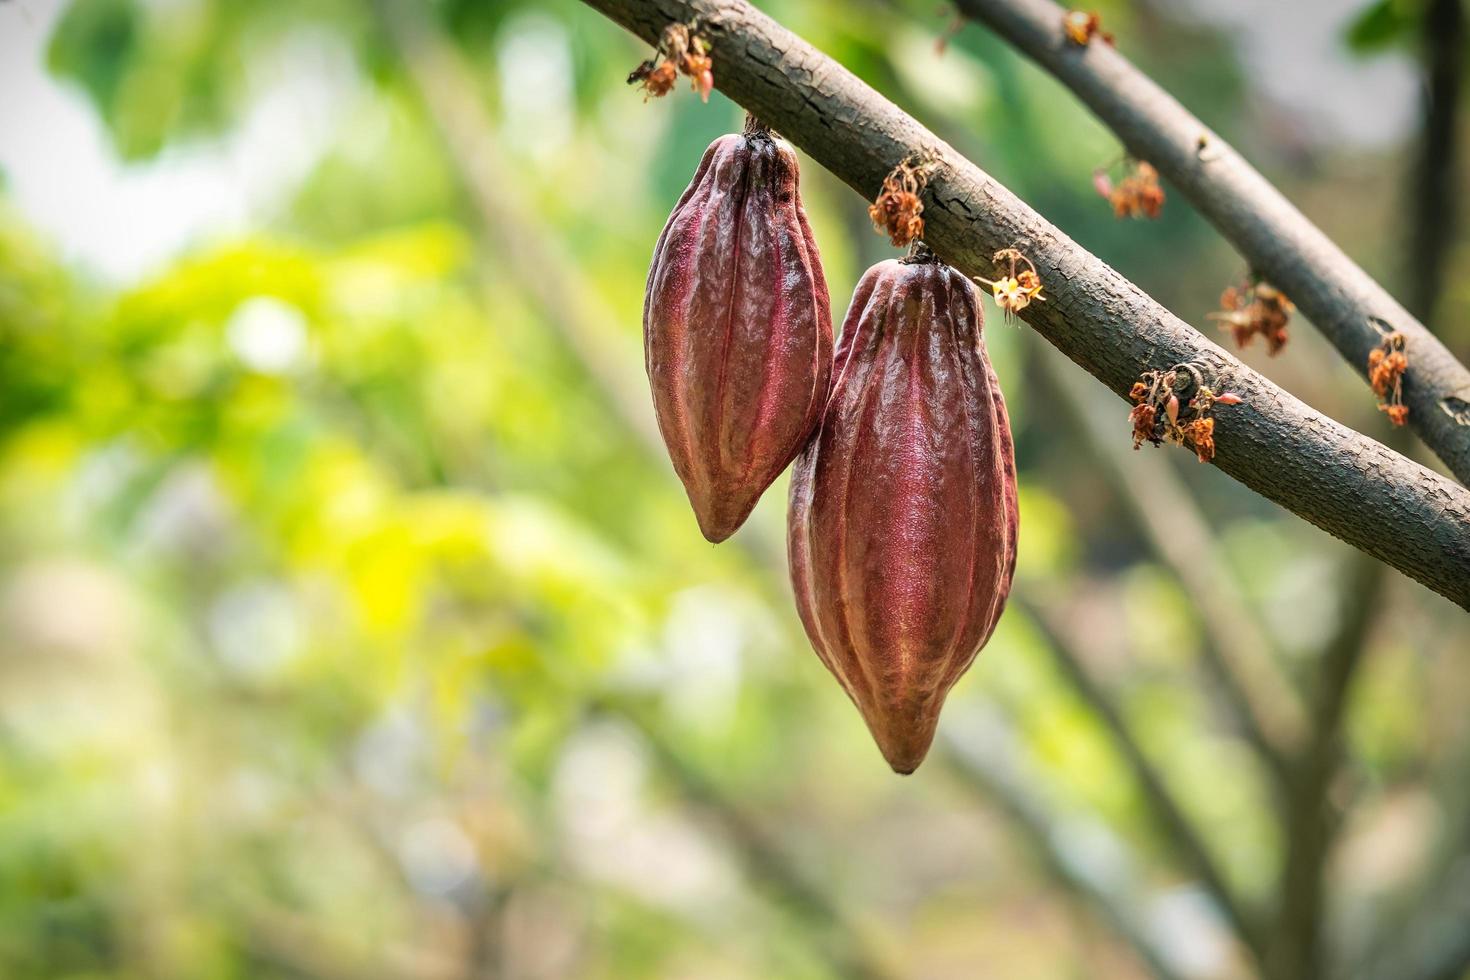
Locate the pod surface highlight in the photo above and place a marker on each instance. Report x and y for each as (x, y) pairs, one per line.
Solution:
(903, 515)
(737, 328)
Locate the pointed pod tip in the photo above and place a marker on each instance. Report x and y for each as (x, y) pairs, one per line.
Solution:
(716, 535)
(723, 511)
(717, 525)
(905, 761)
(905, 745)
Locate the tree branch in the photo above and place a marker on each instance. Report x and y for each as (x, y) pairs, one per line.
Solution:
(1236, 648)
(1340, 299)
(1435, 206)
(1432, 941)
(841, 941)
(1435, 215)
(570, 307)
(1345, 483)
(1297, 950)
(1165, 809)
(550, 276)
(983, 758)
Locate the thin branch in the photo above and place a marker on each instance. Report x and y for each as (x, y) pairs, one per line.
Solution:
(841, 941)
(449, 93)
(1434, 211)
(1276, 239)
(1432, 942)
(1437, 900)
(1345, 483)
(1236, 646)
(1171, 817)
(1447, 955)
(983, 758)
(1298, 941)
(566, 299)
(451, 97)
(1435, 215)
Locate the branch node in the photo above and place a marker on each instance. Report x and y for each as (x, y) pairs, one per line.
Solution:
(1177, 406)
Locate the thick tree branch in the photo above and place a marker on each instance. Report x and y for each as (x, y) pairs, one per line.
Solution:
(1343, 482)
(1276, 239)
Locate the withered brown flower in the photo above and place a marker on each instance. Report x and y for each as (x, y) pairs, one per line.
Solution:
(897, 211)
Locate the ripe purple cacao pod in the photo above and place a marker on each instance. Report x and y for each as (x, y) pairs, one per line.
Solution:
(903, 520)
(737, 328)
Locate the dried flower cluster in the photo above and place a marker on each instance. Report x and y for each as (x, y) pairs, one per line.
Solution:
(680, 49)
(1082, 26)
(1255, 309)
(1386, 366)
(1137, 195)
(1019, 287)
(897, 212)
(1160, 415)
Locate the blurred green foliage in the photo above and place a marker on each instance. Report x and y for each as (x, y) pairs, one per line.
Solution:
(1383, 23)
(346, 631)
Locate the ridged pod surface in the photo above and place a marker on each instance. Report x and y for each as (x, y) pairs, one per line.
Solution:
(737, 328)
(903, 517)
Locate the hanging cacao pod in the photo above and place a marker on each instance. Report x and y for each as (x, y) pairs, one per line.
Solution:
(903, 517)
(737, 328)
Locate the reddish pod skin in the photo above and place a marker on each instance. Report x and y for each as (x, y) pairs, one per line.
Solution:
(737, 328)
(903, 520)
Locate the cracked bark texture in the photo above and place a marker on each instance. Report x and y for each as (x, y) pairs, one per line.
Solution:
(1343, 482)
(1342, 301)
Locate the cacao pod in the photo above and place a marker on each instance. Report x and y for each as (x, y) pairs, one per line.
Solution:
(737, 328)
(903, 516)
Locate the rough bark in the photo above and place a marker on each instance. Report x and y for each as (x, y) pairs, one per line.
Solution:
(1341, 300)
(1340, 480)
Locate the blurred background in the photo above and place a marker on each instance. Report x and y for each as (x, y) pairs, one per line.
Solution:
(353, 623)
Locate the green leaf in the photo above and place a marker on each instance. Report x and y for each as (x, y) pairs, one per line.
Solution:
(1380, 26)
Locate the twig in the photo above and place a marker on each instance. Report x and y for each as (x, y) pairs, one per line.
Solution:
(842, 941)
(1431, 943)
(565, 297)
(452, 99)
(1298, 941)
(1236, 646)
(1171, 818)
(448, 92)
(1447, 955)
(1443, 952)
(1435, 203)
(1443, 38)
(1345, 483)
(1338, 297)
(982, 758)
